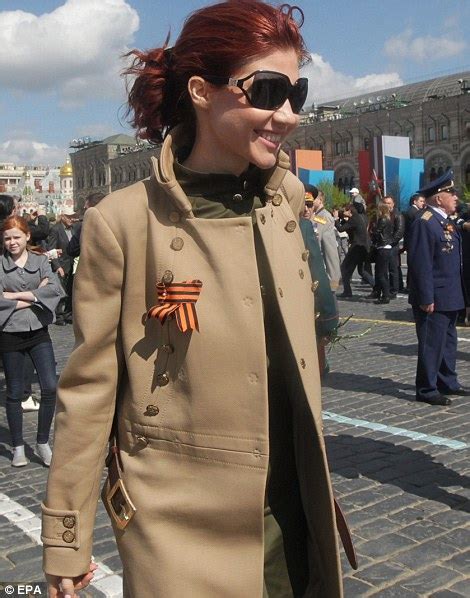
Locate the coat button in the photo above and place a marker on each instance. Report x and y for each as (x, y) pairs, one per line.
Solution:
(167, 349)
(174, 217)
(151, 410)
(163, 379)
(303, 364)
(68, 522)
(142, 440)
(291, 226)
(68, 537)
(277, 199)
(281, 292)
(305, 255)
(301, 274)
(177, 244)
(167, 277)
(315, 284)
(237, 197)
(262, 219)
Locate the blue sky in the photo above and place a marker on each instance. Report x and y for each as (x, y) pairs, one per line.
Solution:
(59, 63)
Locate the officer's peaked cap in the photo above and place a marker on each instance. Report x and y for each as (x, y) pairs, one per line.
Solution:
(443, 182)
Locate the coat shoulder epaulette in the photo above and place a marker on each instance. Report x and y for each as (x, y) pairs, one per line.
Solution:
(319, 219)
(426, 215)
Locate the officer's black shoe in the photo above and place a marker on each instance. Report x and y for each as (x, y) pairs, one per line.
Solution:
(458, 392)
(435, 400)
(382, 301)
(373, 295)
(393, 295)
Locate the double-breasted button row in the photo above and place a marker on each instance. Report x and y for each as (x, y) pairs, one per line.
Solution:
(177, 244)
(163, 379)
(305, 255)
(291, 226)
(167, 277)
(151, 410)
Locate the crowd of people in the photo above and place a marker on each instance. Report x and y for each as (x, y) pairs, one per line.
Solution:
(434, 234)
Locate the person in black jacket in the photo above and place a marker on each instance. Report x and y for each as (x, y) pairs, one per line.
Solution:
(417, 203)
(398, 223)
(39, 227)
(353, 224)
(73, 248)
(382, 237)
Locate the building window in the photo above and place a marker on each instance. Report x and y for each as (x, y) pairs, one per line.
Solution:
(431, 134)
(348, 146)
(338, 148)
(366, 143)
(444, 132)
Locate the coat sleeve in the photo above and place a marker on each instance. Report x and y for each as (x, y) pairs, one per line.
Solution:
(329, 247)
(49, 295)
(420, 261)
(86, 403)
(325, 302)
(52, 243)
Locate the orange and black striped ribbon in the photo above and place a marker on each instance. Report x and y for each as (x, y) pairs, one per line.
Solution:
(178, 300)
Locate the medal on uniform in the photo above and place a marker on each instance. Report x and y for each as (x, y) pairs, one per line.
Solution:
(448, 231)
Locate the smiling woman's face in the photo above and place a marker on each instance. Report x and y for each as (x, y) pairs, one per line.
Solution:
(236, 133)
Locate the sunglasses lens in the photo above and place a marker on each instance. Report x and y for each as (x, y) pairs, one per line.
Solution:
(268, 91)
(298, 95)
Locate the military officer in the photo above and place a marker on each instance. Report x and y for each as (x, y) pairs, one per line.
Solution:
(324, 224)
(436, 292)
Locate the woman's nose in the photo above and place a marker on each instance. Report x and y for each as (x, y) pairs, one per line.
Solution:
(285, 114)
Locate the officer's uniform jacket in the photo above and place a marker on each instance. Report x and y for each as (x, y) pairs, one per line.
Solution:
(435, 262)
(326, 232)
(192, 409)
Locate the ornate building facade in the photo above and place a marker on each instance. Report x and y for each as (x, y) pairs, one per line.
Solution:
(433, 114)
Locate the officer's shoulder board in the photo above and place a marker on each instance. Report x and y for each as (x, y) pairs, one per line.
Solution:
(426, 215)
(319, 219)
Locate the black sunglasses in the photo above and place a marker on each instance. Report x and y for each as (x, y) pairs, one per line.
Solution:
(269, 89)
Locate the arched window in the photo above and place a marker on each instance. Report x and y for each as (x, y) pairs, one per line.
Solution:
(432, 174)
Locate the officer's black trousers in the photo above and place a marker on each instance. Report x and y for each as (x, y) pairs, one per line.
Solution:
(437, 349)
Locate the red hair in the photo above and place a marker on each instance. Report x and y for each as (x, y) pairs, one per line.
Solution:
(215, 40)
(16, 222)
(21, 224)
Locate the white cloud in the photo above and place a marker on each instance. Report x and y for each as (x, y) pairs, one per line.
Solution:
(426, 48)
(74, 50)
(29, 152)
(327, 84)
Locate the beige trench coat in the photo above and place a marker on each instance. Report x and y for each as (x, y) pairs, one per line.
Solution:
(195, 450)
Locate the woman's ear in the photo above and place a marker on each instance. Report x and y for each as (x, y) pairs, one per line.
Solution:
(199, 91)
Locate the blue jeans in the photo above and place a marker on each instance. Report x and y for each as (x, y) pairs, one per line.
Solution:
(42, 356)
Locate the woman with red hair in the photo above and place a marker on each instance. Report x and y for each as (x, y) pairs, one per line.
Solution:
(195, 331)
(29, 295)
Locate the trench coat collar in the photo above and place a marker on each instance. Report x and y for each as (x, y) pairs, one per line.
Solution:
(33, 262)
(164, 172)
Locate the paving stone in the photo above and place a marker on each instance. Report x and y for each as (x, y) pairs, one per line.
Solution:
(377, 528)
(424, 530)
(396, 591)
(430, 580)
(424, 553)
(387, 546)
(381, 573)
(26, 554)
(354, 587)
(461, 587)
(460, 562)
(447, 594)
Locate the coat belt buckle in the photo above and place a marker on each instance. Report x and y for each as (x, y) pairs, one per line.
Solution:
(119, 504)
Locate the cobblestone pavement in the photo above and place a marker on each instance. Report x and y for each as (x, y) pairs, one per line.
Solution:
(400, 469)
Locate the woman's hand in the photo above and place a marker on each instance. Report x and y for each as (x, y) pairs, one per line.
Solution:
(66, 587)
